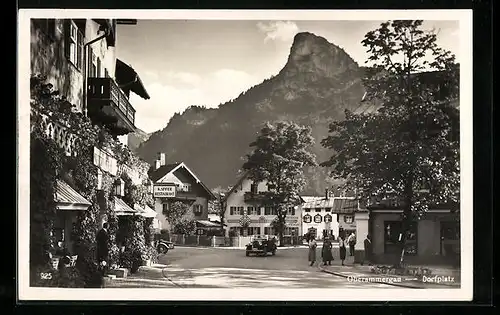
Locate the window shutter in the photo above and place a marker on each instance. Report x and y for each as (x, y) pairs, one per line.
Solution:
(90, 73)
(79, 53)
(67, 35)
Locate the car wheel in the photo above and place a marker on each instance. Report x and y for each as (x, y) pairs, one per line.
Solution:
(162, 249)
(247, 254)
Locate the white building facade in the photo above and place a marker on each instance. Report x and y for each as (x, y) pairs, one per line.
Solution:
(329, 216)
(246, 215)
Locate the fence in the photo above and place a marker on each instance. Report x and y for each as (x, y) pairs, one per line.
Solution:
(221, 241)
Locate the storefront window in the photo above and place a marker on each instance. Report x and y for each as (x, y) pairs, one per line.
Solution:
(392, 234)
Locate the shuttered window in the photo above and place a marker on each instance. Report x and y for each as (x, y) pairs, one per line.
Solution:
(73, 44)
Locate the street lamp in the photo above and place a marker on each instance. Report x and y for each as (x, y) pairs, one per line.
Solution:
(119, 187)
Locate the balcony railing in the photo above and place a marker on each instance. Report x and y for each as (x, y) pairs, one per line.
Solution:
(60, 134)
(253, 196)
(104, 92)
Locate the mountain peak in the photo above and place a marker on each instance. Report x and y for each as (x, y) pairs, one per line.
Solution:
(313, 53)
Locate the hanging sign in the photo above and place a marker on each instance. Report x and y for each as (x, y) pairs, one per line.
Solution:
(164, 191)
(318, 218)
(307, 218)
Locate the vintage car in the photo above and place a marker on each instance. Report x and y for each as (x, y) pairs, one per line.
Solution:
(162, 246)
(261, 245)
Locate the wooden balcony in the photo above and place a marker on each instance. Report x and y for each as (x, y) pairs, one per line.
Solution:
(253, 197)
(108, 105)
(185, 195)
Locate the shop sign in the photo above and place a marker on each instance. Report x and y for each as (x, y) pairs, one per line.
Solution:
(318, 218)
(307, 218)
(164, 191)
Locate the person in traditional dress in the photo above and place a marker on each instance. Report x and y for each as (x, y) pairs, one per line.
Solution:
(351, 240)
(368, 250)
(312, 250)
(326, 252)
(342, 248)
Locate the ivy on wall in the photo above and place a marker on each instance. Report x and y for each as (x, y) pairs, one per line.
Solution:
(81, 173)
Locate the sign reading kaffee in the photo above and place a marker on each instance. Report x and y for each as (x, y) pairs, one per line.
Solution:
(164, 191)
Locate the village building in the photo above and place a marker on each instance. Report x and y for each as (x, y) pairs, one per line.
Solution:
(329, 216)
(78, 57)
(246, 214)
(176, 182)
(434, 238)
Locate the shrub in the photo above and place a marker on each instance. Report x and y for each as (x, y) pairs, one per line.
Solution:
(185, 226)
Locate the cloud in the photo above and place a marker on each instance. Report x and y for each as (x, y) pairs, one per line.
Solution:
(170, 95)
(278, 30)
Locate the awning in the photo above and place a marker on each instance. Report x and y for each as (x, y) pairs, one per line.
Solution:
(129, 80)
(206, 223)
(145, 212)
(121, 208)
(68, 199)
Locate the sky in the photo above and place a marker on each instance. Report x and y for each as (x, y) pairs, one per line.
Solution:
(209, 62)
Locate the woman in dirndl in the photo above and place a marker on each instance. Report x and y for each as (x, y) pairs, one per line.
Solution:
(312, 250)
(342, 248)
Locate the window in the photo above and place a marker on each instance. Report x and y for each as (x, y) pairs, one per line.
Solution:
(254, 188)
(291, 231)
(450, 230)
(198, 209)
(392, 233)
(318, 209)
(165, 207)
(241, 210)
(184, 187)
(269, 211)
(92, 64)
(269, 230)
(98, 67)
(253, 210)
(328, 209)
(291, 211)
(254, 230)
(307, 210)
(232, 210)
(74, 44)
(349, 219)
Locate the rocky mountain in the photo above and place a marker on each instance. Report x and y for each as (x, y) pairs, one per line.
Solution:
(317, 83)
(136, 138)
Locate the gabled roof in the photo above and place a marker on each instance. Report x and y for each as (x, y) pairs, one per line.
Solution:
(164, 170)
(240, 180)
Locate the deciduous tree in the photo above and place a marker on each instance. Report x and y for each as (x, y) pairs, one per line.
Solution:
(281, 152)
(409, 146)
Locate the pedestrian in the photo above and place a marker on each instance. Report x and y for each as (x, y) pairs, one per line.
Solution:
(342, 248)
(103, 250)
(312, 249)
(326, 252)
(368, 249)
(351, 240)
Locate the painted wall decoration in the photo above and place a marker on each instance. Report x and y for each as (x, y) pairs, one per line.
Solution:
(318, 218)
(307, 218)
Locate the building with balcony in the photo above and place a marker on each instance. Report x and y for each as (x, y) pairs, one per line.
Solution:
(246, 214)
(78, 57)
(175, 182)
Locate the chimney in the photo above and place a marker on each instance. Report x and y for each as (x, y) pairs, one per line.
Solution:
(327, 194)
(161, 158)
(158, 164)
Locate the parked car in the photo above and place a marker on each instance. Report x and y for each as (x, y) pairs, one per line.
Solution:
(261, 245)
(163, 246)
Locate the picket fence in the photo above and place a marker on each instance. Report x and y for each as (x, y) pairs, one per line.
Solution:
(221, 241)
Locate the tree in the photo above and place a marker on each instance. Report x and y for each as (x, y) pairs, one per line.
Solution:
(185, 226)
(410, 145)
(175, 212)
(217, 205)
(280, 154)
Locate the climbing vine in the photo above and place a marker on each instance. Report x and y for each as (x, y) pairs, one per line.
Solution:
(81, 173)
